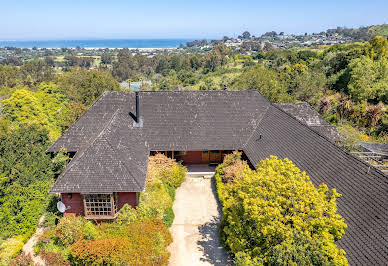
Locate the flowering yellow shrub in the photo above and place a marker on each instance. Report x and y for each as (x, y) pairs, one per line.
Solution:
(10, 248)
(275, 206)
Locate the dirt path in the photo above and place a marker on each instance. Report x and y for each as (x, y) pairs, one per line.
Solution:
(28, 248)
(195, 227)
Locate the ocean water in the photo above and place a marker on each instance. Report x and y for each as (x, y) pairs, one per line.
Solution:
(112, 43)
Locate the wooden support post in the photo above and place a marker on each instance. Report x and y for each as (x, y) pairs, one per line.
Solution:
(85, 210)
(112, 202)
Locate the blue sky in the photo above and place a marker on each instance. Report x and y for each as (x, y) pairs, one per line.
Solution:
(81, 19)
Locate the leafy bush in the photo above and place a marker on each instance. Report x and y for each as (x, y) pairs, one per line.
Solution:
(25, 177)
(301, 251)
(368, 79)
(164, 175)
(54, 258)
(174, 176)
(275, 207)
(10, 248)
(170, 190)
(127, 215)
(72, 229)
(233, 171)
(229, 160)
(45, 238)
(266, 81)
(166, 170)
(168, 217)
(154, 201)
(138, 243)
(22, 260)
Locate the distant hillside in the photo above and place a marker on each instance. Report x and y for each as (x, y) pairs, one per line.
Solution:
(363, 33)
(379, 29)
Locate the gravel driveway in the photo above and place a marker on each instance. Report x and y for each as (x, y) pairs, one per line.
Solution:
(195, 227)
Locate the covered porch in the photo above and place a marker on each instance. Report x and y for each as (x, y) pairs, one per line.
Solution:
(196, 156)
(200, 170)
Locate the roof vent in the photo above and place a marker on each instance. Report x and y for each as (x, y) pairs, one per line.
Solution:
(137, 121)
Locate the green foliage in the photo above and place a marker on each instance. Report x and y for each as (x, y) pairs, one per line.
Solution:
(168, 217)
(142, 243)
(25, 177)
(274, 207)
(174, 176)
(72, 229)
(170, 190)
(60, 161)
(300, 251)
(303, 83)
(369, 79)
(10, 248)
(155, 200)
(40, 107)
(264, 80)
(85, 86)
(55, 257)
(128, 215)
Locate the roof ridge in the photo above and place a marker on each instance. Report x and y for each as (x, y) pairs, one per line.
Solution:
(119, 159)
(75, 122)
(335, 145)
(114, 154)
(257, 125)
(80, 153)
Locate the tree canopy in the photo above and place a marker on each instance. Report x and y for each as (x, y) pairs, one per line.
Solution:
(268, 210)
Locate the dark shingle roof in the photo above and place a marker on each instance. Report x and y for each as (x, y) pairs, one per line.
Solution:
(364, 201)
(171, 121)
(112, 154)
(306, 114)
(375, 147)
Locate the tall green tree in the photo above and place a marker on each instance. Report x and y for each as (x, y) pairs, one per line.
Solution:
(25, 177)
(264, 80)
(85, 86)
(369, 79)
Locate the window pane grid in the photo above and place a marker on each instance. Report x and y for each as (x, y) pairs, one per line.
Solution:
(100, 204)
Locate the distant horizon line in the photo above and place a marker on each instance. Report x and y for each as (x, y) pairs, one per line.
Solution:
(98, 39)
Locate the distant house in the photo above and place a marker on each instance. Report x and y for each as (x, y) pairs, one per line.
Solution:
(113, 139)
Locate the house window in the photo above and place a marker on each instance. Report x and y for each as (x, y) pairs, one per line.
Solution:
(215, 151)
(100, 205)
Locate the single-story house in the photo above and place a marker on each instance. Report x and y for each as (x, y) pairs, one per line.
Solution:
(113, 139)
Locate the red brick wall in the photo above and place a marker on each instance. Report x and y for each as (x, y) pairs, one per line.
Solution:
(126, 197)
(192, 157)
(76, 203)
